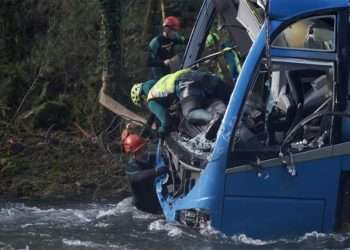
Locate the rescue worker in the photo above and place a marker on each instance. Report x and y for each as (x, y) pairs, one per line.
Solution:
(138, 93)
(141, 172)
(194, 90)
(161, 48)
(230, 67)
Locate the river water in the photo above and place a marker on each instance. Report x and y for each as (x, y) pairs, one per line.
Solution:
(121, 226)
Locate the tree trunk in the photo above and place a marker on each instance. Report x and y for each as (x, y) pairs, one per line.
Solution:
(162, 8)
(110, 46)
(148, 21)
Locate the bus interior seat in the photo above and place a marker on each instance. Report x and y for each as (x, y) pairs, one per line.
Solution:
(319, 93)
(319, 38)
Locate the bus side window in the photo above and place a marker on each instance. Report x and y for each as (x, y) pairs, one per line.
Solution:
(316, 33)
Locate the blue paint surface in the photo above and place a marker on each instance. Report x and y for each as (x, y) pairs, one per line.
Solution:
(258, 216)
(287, 9)
(276, 204)
(292, 204)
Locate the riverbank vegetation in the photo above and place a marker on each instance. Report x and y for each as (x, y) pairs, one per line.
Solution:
(56, 141)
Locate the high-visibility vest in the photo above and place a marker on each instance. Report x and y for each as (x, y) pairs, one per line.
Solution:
(166, 85)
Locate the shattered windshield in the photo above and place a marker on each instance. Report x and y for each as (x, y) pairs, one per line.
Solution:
(227, 41)
(224, 46)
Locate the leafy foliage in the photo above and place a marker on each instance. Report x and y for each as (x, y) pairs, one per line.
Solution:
(59, 45)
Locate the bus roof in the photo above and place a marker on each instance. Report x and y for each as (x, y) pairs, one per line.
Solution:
(286, 9)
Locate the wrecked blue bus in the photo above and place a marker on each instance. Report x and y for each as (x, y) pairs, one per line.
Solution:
(280, 163)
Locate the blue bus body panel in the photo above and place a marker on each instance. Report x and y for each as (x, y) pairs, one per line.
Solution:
(260, 217)
(287, 9)
(276, 204)
(303, 54)
(295, 205)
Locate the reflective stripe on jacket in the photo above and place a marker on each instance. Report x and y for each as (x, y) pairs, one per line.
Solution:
(166, 85)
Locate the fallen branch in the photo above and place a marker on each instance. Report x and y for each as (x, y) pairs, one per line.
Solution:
(29, 91)
(129, 5)
(119, 109)
(48, 133)
(85, 133)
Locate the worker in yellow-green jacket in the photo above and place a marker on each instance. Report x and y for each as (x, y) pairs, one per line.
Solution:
(231, 58)
(193, 90)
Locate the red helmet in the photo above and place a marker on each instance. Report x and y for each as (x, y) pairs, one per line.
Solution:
(133, 143)
(172, 22)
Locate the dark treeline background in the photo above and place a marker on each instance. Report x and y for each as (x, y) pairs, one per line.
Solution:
(57, 50)
(53, 57)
